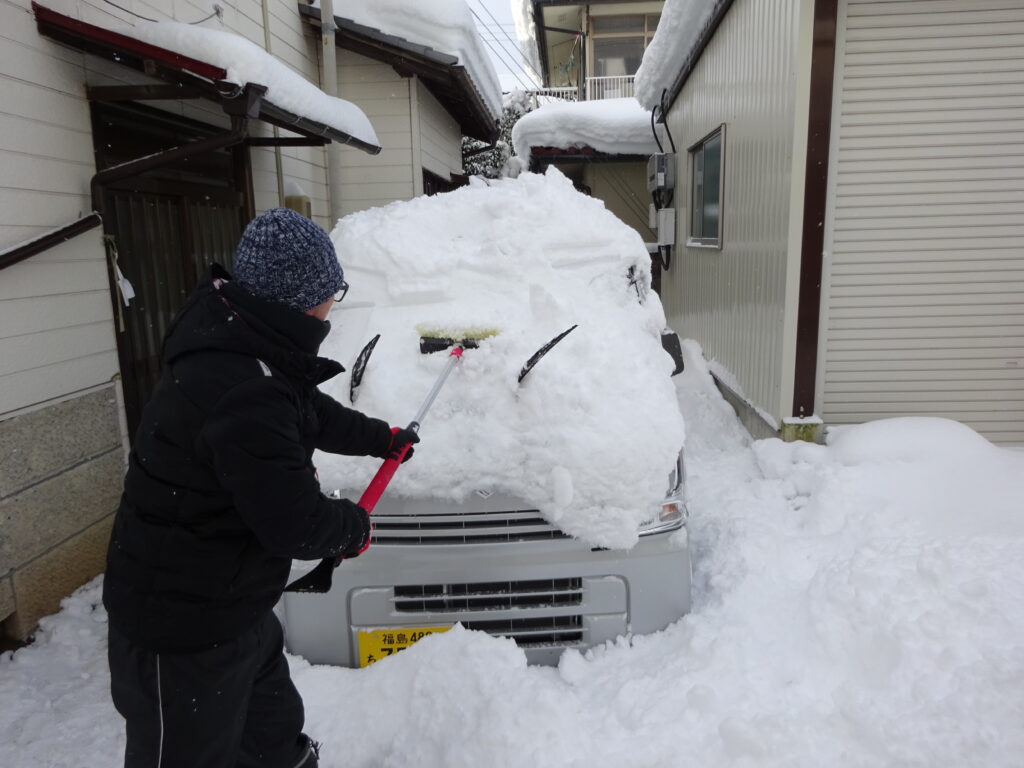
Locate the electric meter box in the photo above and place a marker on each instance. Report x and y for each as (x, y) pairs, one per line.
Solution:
(661, 171)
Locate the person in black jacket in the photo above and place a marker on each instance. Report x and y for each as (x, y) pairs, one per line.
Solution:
(220, 495)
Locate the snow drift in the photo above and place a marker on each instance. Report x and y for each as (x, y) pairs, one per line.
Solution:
(591, 435)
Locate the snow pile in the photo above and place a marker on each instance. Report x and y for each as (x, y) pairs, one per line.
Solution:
(246, 62)
(591, 435)
(444, 25)
(680, 26)
(856, 605)
(613, 126)
(55, 708)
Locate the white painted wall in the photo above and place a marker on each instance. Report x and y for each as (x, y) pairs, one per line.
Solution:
(57, 333)
(924, 284)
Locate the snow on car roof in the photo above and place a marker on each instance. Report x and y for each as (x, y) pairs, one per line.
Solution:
(591, 435)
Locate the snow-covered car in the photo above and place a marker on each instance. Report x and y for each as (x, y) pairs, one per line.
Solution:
(548, 508)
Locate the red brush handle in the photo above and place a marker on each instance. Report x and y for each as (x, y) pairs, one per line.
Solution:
(380, 480)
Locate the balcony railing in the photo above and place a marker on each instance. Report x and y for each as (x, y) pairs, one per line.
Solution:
(613, 87)
(594, 89)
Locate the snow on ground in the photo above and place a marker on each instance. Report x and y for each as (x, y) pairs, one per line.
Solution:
(678, 29)
(856, 604)
(614, 126)
(446, 26)
(591, 435)
(246, 62)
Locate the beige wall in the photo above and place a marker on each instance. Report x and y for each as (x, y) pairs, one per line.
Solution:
(735, 300)
(623, 188)
(368, 181)
(440, 136)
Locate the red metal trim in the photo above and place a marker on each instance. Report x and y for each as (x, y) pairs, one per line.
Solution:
(47, 16)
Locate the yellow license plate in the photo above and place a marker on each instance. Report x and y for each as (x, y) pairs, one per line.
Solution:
(381, 643)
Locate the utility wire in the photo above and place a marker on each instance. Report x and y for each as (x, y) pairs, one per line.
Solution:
(503, 59)
(146, 18)
(515, 45)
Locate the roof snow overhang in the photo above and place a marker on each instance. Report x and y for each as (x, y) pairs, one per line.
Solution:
(694, 54)
(188, 77)
(441, 73)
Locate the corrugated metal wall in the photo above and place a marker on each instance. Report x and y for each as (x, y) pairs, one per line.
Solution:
(925, 310)
(733, 300)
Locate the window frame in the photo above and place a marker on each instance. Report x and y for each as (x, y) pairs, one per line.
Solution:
(647, 34)
(694, 241)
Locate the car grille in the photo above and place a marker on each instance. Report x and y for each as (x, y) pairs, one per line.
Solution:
(528, 630)
(464, 528)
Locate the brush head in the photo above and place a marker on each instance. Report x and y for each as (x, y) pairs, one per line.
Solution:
(434, 339)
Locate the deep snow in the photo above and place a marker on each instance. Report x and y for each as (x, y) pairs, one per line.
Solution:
(613, 126)
(678, 29)
(855, 605)
(591, 436)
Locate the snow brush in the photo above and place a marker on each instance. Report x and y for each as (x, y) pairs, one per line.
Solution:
(319, 579)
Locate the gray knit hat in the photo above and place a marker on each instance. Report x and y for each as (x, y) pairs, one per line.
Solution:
(285, 257)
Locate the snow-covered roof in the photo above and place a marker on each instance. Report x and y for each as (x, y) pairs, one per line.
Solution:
(612, 126)
(444, 25)
(526, 32)
(246, 62)
(591, 435)
(679, 30)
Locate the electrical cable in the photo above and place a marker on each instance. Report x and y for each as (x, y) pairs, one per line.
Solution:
(515, 46)
(664, 119)
(656, 139)
(513, 66)
(146, 18)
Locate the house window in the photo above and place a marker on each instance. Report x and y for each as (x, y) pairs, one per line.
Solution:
(706, 190)
(433, 184)
(619, 42)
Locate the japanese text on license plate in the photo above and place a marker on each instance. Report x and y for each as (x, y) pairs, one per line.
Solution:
(381, 643)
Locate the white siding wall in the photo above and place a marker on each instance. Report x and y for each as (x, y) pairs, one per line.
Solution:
(440, 136)
(734, 300)
(53, 349)
(924, 311)
(371, 180)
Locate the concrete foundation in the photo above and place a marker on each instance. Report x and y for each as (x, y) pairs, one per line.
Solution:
(61, 473)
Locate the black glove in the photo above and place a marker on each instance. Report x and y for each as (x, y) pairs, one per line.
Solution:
(399, 437)
(357, 523)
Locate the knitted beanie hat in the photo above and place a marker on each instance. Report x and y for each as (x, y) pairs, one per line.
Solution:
(285, 257)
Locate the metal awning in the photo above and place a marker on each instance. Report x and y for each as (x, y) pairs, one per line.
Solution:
(187, 77)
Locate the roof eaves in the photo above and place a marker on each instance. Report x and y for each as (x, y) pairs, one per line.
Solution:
(174, 67)
(694, 54)
(441, 72)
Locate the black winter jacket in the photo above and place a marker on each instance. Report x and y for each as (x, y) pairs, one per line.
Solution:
(221, 492)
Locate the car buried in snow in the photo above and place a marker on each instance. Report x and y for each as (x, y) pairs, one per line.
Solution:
(545, 506)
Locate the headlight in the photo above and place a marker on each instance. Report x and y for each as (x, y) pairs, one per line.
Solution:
(670, 516)
(672, 513)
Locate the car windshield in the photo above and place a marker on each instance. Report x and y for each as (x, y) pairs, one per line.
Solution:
(591, 435)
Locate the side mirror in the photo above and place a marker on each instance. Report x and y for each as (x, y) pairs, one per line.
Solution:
(670, 343)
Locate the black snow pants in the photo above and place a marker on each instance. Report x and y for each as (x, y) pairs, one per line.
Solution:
(231, 706)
